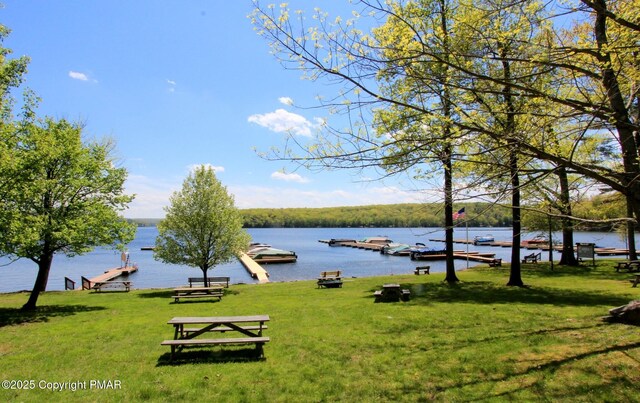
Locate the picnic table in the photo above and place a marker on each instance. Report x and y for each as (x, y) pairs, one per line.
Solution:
(111, 285)
(197, 292)
(215, 328)
(630, 265)
(391, 293)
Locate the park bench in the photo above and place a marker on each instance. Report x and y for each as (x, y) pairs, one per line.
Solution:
(422, 269)
(630, 265)
(532, 258)
(495, 263)
(197, 292)
(330, 279)
(211, 281)
(112, 286)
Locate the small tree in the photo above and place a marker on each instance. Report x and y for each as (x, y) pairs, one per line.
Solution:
(202, 227)
(58, 195)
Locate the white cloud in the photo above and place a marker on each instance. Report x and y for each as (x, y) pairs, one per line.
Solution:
(264, 197)
(286, 101)
(216, 169)
(292, 177)
(152, 195)
(78, 76)
(282, 121)
(172, 85)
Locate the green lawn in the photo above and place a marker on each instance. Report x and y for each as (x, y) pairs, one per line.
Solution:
(478, 340)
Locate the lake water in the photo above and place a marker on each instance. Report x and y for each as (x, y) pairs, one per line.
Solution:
(313, 257)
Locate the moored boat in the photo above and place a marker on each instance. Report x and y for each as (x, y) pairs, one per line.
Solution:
(423, 252)
(484, 240)
(272, 255)
(396, 249)
(538, 240)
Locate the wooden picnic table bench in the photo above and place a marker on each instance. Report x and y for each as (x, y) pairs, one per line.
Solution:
(330, 279)
(532, 258)
(111, 285)
(391, 293)
(629, 265)
(211, 281)
(197, 292)
(422, 269)
(495, 262)
(219, 324)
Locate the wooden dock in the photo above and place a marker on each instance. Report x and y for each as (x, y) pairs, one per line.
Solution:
(254, 268)
(376, 247)
(114, 273)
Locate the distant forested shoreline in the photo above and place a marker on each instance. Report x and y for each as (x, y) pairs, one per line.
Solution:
(401, 215)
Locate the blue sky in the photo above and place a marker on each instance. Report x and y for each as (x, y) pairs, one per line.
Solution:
(181, 83)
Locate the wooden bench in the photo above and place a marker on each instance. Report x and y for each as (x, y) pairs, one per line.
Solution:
(212, 281)
(112, 286)
(330, 279)
(179, 343)
(631, 265)
(422, 269)
(495, 263)
(197, 292)
(532, 258)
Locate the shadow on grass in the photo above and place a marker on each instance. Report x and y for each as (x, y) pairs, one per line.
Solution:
(199, 355)
(552, 366)
(603, 270)
(15, 316)
(485, 292)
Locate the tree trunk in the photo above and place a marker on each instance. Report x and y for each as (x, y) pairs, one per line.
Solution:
(204, 276)
(515, 274)
(44, 266)
(568, 256)
(448, 212)
(631, 230)
(448, 150)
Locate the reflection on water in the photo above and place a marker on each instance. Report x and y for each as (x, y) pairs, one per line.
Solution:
(313, 257)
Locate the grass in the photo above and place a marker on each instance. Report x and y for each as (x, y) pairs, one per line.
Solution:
(477, 340)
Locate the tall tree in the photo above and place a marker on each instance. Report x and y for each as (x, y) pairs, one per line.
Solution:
(202, 227)
(59, 195)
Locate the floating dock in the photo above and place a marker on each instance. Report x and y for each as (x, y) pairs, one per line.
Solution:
(254, 268)
(114, 273)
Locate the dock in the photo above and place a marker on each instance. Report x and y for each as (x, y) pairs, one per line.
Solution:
(254, 268)
(113, 273)
(376, 247)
